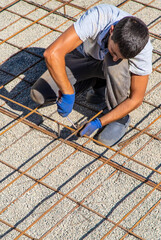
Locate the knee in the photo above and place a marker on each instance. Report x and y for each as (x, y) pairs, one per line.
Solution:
(37, 96)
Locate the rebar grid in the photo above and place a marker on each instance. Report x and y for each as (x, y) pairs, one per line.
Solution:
(60, 181)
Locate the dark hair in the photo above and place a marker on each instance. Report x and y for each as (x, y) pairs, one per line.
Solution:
(131, 34)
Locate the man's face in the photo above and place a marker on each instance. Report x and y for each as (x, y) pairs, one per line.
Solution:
(114, 49)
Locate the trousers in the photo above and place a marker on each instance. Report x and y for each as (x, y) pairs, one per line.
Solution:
(84, 72)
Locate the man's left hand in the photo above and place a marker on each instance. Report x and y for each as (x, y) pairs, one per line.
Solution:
(91, 127)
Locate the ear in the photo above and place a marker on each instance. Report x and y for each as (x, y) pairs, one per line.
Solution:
(111, 29)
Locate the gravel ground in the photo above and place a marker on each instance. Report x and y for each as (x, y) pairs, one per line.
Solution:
(65, 187)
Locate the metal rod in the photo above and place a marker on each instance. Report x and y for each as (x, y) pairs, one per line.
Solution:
(76, 147)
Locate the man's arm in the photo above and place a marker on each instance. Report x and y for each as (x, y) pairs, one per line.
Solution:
(137, 92)
(55, 58)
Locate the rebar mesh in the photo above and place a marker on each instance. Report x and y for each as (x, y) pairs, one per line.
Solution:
(55, 185)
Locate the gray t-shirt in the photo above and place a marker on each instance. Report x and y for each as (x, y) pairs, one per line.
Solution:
(93, 29)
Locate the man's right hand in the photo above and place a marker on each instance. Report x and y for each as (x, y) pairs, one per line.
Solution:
(65, 104)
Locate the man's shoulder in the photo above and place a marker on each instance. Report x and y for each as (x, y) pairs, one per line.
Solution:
(142, 63)
(95, 20)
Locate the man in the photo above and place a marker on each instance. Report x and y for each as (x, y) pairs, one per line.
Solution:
(109, 50)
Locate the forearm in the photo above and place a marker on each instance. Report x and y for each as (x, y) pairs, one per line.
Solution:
(56, 67)
(137, 92)
(120, 111)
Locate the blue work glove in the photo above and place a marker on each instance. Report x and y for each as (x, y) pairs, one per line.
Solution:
(91, 127)
(65, 104)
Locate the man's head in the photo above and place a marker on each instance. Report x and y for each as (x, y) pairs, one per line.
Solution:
(130, 35)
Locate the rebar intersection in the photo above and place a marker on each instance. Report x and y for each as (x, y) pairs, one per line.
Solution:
(63, 187)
